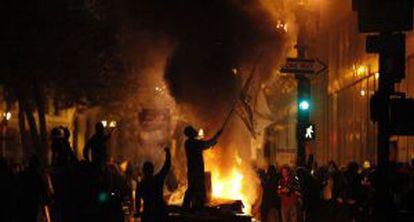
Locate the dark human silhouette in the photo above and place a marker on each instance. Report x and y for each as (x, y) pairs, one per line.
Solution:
(32, 191)
(332, 184)
(310, 190)
(195, 196)
(270, 206)
(67, 147)
(62, 153)
(97, 145)
(353, 190)
(6, 191)
(56, 137)
(150, 190)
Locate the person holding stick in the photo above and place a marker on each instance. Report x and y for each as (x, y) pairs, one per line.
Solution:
(195, 196)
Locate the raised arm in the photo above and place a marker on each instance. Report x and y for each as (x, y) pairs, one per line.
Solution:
(213, 141)
(167, 164)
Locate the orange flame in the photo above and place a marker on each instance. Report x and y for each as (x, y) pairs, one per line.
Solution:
(232, 180)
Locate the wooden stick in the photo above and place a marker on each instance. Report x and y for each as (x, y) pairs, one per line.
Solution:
(228, 117)
(247, 84)
(47, 213)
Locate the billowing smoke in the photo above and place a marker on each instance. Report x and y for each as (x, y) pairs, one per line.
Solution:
(201, 51)
(204, 42)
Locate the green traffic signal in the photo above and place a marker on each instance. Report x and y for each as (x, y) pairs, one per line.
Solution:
(304, 105)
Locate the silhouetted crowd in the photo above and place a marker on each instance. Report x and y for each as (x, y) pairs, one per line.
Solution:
(329, 193)
(95, 189)
(67, 190)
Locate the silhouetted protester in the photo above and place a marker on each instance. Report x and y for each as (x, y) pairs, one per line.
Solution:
(150, 190)
(310, 191)
(33, 192)
(289, 192)
(353, 190)
(97, 145)
(195, 196)
(57, 146)
(270, 206)
(332, 189)
(67, 147)
(62, 153)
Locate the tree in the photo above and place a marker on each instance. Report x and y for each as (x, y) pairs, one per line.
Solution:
(59, 46)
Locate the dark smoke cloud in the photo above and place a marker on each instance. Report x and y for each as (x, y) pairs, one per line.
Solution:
(211, 37)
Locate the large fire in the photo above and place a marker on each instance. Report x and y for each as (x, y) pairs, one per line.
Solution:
(231, 178)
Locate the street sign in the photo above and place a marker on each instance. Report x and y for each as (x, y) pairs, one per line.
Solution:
(303, 66)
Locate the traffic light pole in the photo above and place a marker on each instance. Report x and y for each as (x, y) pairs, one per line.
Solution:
(391, 49)
(389, 18)
(303, 119)
(303, 91)
(385, 89)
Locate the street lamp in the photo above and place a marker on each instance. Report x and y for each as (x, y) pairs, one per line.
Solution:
(362, 92)
(7, 115)
(361, 71)
(112, 124)
(109, 124)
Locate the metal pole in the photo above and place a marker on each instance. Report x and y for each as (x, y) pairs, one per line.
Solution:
(302, 119)
(385, 88)
(302, 84)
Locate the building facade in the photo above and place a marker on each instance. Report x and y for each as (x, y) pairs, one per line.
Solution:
(341, 94)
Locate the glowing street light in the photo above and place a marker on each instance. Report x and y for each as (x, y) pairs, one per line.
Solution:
(362, 92)
(362, 71)
(112, 124)
(7, 115)
(109, 123)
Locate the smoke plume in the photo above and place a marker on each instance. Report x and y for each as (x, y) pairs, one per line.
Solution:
(202, 51)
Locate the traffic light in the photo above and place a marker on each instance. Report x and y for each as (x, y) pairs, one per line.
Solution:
(391, 48)
(309, 132)
(378, 107)
(304, 105)
(384, 15)
(304, 101)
